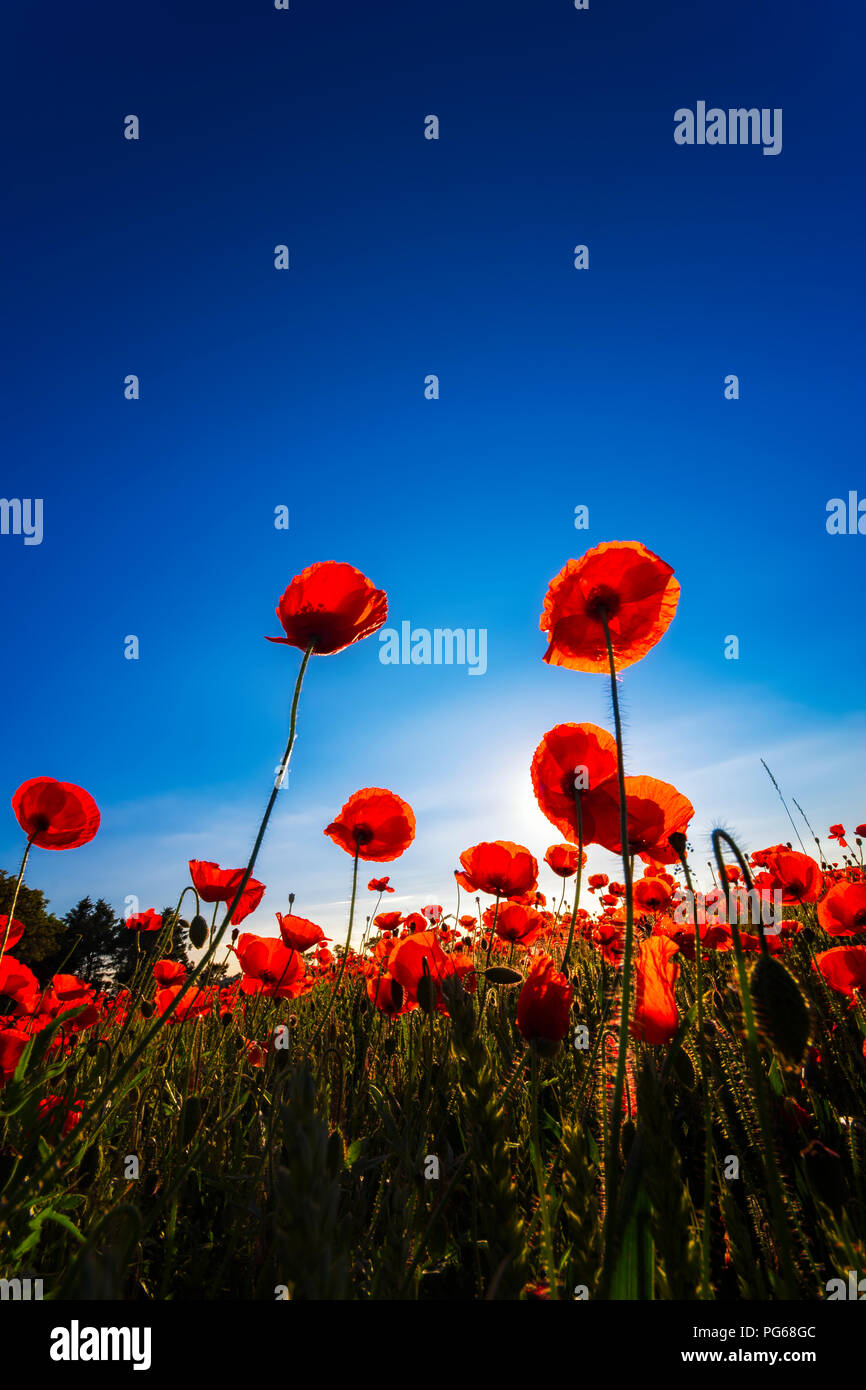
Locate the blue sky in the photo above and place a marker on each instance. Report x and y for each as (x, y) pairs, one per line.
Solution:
(306, 388)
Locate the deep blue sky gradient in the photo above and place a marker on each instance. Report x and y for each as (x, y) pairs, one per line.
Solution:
(305, 388)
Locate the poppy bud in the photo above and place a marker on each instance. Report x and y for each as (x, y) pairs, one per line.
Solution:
(502, 975)
(780, 1009)
(677, 842)
(198, 931)
(147, 1008)
(626, 1137)
(234, 933)
(425, 993)
(190, 1119)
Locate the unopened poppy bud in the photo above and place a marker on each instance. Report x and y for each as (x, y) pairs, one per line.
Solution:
(780, 1009)
(235, 933)
(190, 1119)
(198, 931)
(147, 1008)
(291, 900)
(626, 1137)
(503, 975)
(425, 993)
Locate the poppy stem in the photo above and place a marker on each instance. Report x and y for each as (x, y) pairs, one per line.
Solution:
(278, 782)
(124, 1069)
(18, 883)
(487, 960)
(612, 1166)
(678, 844)
(546, 1236)
(774, 1189)
(577, 880)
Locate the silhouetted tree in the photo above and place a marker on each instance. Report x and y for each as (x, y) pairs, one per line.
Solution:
(41, 941)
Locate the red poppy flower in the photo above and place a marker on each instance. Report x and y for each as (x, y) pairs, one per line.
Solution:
(570, 760)
(860, 830)
(797, 875)
(256, 1055)
(652, 894)
(169, 972)
(655, 810)
(843, 911)
(621, 581)
(544, 1003)
(145, 921)
(196, 1003)
(15, 929)
(655, 1008)
(598, 881)
(843, 967)
(328, 607)
(379, 824)
(386, 921)
(18, 982)
(388, 995)
(499, 867)
(380, 885)
(12, 1044)
(50, 1111)
(563, 860)
(515, 923)
(837, 832)
(216, 885)
(298, 933)
(55, 815)
(417, 955)
(269, 967)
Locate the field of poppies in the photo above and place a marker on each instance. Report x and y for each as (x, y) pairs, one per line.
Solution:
(637, 1090)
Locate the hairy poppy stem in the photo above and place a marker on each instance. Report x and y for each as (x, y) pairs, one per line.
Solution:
(546, 1235)
(612, 1166)
(278, 782)
(18, 883)
(678, 844)
(487, 960)
(577, 881)
(774, 1189)
(125, 1068)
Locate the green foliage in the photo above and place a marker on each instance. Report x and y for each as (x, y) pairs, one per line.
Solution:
(393, 1159)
